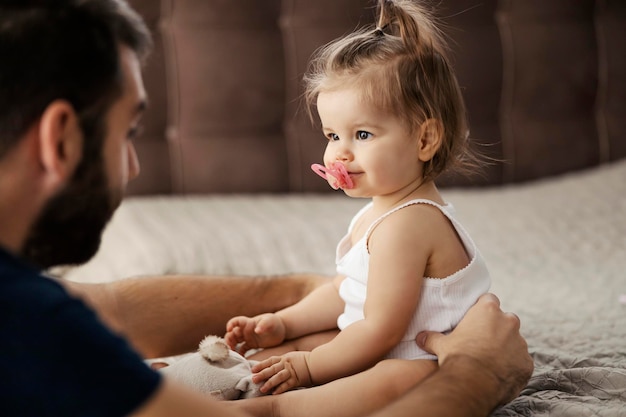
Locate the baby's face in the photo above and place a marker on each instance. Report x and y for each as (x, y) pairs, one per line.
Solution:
(376, 148)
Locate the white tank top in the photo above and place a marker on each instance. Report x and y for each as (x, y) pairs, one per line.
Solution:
(443, 301)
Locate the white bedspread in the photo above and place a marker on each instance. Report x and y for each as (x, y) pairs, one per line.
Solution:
(556, 250)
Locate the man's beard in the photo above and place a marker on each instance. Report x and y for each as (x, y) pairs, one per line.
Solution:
(69, 229)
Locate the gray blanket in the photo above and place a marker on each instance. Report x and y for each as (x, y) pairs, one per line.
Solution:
(556, 250)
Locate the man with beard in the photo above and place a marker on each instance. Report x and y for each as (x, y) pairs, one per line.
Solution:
(71, 97)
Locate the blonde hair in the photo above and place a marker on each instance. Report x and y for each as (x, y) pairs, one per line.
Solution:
(401, 66)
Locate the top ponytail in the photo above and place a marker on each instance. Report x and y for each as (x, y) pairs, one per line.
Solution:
(413, 23)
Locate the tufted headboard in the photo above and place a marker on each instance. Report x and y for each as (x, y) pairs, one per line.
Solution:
(544, 81)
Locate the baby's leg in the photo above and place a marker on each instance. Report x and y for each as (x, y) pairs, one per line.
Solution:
(356, 395)
(304, 343)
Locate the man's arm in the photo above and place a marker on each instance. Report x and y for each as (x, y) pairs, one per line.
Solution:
(484, 363)
(168, 315)
(172, 400)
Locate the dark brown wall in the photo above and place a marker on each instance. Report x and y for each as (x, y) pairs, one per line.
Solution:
(544, 81)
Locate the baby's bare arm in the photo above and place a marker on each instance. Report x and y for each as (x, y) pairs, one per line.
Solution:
(317, 312)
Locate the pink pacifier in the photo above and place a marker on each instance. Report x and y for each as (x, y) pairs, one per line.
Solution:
(336, 175)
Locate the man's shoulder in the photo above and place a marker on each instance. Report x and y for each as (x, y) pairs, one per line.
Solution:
(21, 283)
(52, 342)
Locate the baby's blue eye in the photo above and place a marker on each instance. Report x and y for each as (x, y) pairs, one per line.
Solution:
(333, 136)
(363, 135)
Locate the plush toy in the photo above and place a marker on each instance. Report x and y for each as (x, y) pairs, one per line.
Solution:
(216, 370)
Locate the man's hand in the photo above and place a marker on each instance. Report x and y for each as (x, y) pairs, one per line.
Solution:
(283, 373)
(262, 331)
(490, 337)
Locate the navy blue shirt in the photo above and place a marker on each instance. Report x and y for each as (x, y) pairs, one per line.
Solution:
(56, 356)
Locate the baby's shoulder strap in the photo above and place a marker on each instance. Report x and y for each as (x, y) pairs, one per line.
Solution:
(401, 206)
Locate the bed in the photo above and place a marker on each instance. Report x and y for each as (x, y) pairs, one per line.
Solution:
(226, 186)
(555, 249)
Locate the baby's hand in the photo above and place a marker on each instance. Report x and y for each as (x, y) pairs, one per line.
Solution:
(262, 331)
(283, 373)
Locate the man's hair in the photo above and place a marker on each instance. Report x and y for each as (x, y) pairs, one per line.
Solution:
(63, 49)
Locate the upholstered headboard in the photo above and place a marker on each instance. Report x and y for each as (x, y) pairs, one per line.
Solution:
(544, 81)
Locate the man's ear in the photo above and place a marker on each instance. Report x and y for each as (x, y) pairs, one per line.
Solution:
(430, 136)
(60, 142)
